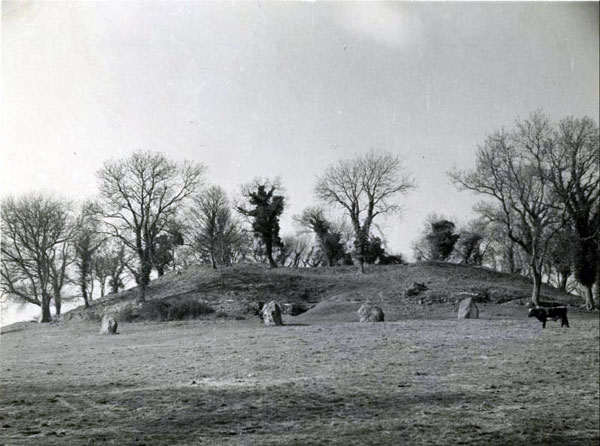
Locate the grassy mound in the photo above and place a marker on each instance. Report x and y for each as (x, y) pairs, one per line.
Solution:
(236, 291)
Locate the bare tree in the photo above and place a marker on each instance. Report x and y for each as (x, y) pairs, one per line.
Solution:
(498, 251)
(298, 246)
(509, 169)
(561, 257)
(140, 195)
(166, 245)
(100, 270)
(86, 242)
(473, 242)
(35, 232)
(364, 187)
(574, 171)
(110, 263)
(214, 230)
(285, 251)
(63, 256)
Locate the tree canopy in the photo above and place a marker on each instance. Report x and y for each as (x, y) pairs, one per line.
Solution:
(364, 187)
(140, 196)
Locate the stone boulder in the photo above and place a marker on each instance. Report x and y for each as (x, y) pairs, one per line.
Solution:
(478, 296)
(271, 314)
(370, 313)
(109, 325)
(468, 309)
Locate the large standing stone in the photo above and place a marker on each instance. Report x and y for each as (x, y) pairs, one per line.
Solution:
(370, 313)
(271, 314)
(468, 309)
(109, 325)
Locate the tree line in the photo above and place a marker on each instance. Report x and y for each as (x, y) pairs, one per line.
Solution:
(152, 213)
(541, 213)
(540, 217)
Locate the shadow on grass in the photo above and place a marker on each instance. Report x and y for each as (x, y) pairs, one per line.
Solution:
(282, 414)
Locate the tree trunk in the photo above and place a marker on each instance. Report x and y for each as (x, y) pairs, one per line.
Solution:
(361, 263)
(213, 262)
(57, 304)
(84, 293)
(114, 285)
(141, 297)
(589, 298)
(562, 285)
(269, 249)
(537, 287)
(361, 243)
(102, 285)
(46, 316)
(511, 258)
(596, 285)
(145, 270)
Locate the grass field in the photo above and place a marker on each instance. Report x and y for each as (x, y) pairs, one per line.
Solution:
(318, 380)
(422, 377)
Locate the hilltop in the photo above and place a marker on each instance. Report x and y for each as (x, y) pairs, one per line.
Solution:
(329, 293)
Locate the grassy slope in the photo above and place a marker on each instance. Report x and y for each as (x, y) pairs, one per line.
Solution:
(336, 290)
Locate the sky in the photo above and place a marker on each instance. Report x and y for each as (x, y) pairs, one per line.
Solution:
(283, 89)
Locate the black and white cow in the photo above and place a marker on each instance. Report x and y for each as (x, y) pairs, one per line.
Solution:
(555, 313)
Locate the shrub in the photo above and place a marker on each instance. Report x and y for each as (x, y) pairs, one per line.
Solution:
(162, 310)
(125, 314)
(442, 239)
(187, 309)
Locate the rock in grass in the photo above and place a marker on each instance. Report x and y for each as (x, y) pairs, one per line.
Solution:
(109, 325)
(271, 314)
(478, 296)
(370, 313)
(468, 309)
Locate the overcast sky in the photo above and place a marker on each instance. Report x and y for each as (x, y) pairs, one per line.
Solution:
(265, 89)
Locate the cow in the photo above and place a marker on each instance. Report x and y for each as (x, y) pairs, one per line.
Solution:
(554, 313)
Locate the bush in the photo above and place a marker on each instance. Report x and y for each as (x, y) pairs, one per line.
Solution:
(162, 310)
(126, 314)
(441, 239)
(392, 260)
(187, 309)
